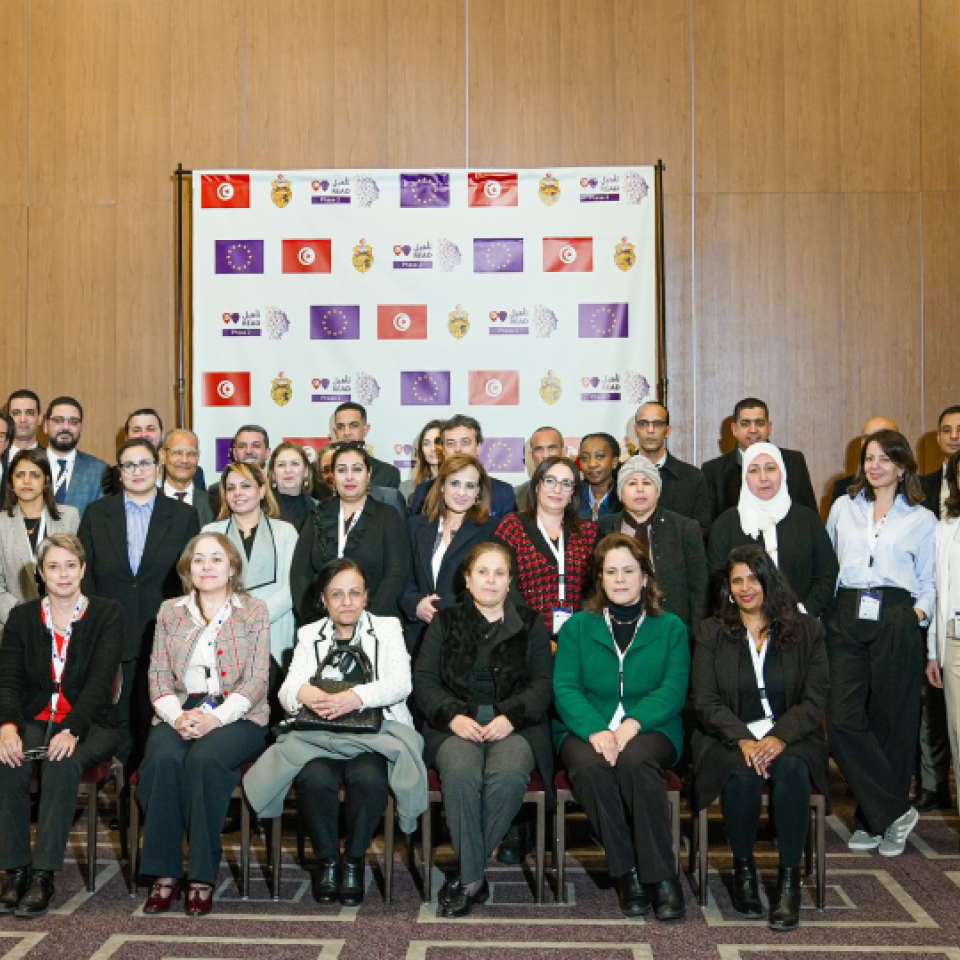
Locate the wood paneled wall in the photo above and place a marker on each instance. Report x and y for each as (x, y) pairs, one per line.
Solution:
(812, 151)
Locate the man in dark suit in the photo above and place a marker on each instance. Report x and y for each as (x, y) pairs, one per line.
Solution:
(948, 440)
(544, 442)
(251, 444)
(133, 542)
(24, 409)
(685, 488)
(751, 424)
(7, 431)
(77, 476)
(873, 425)
(462, 434)
(350, 423)
(180, 457)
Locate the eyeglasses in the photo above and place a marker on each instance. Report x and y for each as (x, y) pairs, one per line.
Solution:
(656, 424)
(143, 466)
(183, 454)
(552, 482)
(60, 421)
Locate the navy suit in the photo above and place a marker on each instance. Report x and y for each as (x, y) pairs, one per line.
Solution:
(86, 480)
(502, 501)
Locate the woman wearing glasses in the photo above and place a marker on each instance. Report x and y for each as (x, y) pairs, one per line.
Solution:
(551, 545)
(456, 517)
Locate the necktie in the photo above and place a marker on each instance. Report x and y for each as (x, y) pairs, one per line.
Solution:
(181, 495)
(61, 495)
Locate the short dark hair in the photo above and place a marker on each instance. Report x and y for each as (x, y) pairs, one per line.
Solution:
(350, 405)
(11, 426)
(25, 394)
(64, 402)
(748, 403)
(651, 594)
(571, 514)
(462, 420)
(946, 413)
(137, 442)
(551, 429)
(39, 459)
(142, 412)
(952, 506)
(656, 403)
(252, 428)
(330, 570)
(896, 446)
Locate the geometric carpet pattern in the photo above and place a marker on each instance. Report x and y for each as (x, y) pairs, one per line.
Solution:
(905, 908)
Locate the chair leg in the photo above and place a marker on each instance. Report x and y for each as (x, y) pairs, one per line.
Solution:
(560, 851)
(244, 847)
(540, 801)
(808, 845)
(276, 853)
(301, 841)
(821, 850)
(116, 773)
(426, 827)
(675, 827)
(388, 841)
(703, 827)
(133, 840)
(90, 789)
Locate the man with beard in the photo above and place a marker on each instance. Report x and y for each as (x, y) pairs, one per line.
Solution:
(77, 476)
(251, 444)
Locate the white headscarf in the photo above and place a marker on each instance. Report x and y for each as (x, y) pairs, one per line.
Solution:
(762, 516)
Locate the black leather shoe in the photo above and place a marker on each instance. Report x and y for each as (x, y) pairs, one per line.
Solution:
(461, 903)
(633, 898)
(927, 800)
(785, 909)
(667, 897)
(350, 892)
(36, 901)
(449, 890)
(515, 846)
(13, 889)
(326, 881)
(746, 890)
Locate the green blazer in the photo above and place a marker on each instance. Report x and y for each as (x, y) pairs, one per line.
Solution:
(586, 677)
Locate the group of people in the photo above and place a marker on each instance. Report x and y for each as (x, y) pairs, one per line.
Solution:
(341, 630)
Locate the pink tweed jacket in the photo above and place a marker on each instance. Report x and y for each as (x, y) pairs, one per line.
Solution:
(243, 653)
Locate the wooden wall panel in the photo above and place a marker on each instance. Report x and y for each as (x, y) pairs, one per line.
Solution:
(14, 18)
(940, 94)
(292, 49)
(879, 95)
(13, 303)
(73, 101)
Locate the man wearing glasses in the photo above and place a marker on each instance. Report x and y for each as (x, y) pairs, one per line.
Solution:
(77, 476)
(685, 489)
(133, 541)
(180, 458)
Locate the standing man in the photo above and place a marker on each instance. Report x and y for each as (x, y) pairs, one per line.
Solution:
(751, 424)
(77, 476)
(251, 444)
(544, 442)
(24, 409)
(948, 440)
(350, 423)
(180, 459)
(685, 489)
(133, 542)
(7, 432)
(873, 425)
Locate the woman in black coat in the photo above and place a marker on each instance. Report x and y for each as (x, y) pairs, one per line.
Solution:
(352, 524)
(77, 640)
(455, 518)
(675, 543)
(793, 534)
(484, 682)
(751, 737)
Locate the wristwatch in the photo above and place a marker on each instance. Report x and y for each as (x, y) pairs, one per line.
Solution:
(72, 734)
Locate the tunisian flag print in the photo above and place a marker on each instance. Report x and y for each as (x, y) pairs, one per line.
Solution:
(225, 190)
(568, 254)
(494, 388)
(226, 389)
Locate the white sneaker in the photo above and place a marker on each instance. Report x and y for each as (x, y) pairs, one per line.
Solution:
(895, 837)
(861, 840)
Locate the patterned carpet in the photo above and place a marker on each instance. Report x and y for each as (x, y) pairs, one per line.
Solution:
(895, 909)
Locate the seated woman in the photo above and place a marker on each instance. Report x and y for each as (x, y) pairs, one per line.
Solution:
(426, 458)
(354, 525)
(483, 682)
(291, 477)
(342, 587)
(599, 459)
(58, 664)
(208, 683)
(620, 683)
(675, 543)
(30, 513)
(456, 517)
(760, 682)
(793, 535)
(552, 547)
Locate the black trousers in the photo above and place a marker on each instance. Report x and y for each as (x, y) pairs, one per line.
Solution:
(789, 803)
(59, 780)
(873, 713)
(364, 778)
(185, 788)
(627, 804)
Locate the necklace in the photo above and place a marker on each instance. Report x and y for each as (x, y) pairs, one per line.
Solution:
(625, 623)
(31, 531)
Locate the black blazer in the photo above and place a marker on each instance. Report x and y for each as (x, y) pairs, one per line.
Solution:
(384, 474)
(93, 660)
(804, 554)
(716, 699)
(685, 491)
(931, 483)
(201, 503)
(679, 560)
(840, 488)
(378, 543)
(503, 498)
(725, 474)
(103, 533)
(449, 583)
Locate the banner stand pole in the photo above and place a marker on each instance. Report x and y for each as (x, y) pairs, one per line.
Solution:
(181, 385)
(663, 382)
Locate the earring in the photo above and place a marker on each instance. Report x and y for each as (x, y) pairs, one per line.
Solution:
(730, 598)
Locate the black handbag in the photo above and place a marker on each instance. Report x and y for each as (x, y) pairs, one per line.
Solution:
(365, 720)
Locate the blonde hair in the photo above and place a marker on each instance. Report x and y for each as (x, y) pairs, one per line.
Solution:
(65, 541)
(254, 473)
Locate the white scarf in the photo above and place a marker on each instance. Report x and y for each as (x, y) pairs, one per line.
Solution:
(762, 516)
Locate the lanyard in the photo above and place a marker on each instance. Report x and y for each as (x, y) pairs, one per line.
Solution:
(59, 657)
(873, 533)
(343, 533)
(559, 554)
(621, 654)
(759, 657)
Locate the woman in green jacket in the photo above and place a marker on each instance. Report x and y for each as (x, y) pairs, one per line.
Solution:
(620, 681)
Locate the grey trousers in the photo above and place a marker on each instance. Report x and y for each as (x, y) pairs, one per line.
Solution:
(483, 786)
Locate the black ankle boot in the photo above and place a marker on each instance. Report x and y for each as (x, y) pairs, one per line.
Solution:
(785, 910)
(667, 897)
(326, 881)
(746, 891)
(351, 881)
(36, 901)
(633, 898)
(14, 889)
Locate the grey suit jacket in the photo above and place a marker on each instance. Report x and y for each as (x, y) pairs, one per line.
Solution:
(17, 566)
(86, 481)
(201, 503)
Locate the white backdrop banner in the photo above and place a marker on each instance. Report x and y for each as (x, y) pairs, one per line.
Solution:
(520, 297)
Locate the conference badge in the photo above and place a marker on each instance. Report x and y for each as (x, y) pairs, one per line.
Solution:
(549, 189)
(550, 390)
(362, 256)
(281, 391)
(624, 255)
(281, 193)
(458, 324)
